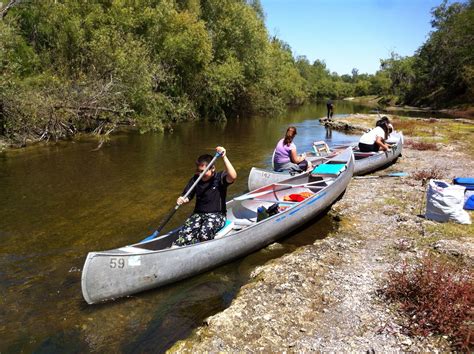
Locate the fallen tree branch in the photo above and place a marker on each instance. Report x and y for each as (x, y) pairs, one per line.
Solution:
(3, 12)
(92, 108)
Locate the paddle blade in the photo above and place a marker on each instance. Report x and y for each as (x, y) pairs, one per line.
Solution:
(151, 237)
(398, 174)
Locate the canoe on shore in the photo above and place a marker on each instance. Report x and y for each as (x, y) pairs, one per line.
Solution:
(365, 162)
(145, 265)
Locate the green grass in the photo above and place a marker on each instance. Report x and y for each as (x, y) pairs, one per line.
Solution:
(451, 230)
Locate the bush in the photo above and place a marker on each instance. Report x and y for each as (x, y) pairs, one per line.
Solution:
(429, 173)
(436, 296)
(421, 145)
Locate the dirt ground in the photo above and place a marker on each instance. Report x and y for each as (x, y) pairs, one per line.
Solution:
(324, 296)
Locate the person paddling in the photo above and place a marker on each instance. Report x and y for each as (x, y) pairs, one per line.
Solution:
(210, 210)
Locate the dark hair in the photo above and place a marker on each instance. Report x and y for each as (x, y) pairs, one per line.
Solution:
(204, 159)
(289, 136)
(384, 124)
(383, 120)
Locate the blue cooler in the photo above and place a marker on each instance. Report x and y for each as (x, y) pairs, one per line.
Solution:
(467, 182)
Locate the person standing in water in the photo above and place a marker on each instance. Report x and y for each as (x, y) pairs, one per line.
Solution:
(330, 107)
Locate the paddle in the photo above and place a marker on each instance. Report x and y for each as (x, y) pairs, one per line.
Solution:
(393, 174)
(176, 207)
(287, 186)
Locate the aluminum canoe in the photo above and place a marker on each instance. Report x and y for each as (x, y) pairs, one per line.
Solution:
(141, 266)
(364, 163)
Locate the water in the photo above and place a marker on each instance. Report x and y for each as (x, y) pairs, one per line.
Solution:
(60, 201)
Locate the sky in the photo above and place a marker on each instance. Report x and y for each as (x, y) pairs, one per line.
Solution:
(349, 34)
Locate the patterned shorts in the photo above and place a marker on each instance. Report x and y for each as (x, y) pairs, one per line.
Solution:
(200, 227)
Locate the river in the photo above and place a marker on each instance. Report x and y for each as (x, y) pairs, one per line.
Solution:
(62, 200)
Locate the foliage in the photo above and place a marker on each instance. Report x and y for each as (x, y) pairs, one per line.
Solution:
(401, 73)
(434, 172)
(442, 70)
(68, 66)
(436, 296)
(421, 145)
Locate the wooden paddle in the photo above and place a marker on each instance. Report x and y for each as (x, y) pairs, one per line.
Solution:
(176, 207)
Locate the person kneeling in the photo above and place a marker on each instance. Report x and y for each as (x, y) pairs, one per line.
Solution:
(210, 210)
(374, 140)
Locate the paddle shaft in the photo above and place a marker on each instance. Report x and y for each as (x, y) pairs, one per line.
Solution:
(176, 207)
(383, 176)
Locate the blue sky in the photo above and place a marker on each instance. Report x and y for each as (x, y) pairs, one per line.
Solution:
(350, 34)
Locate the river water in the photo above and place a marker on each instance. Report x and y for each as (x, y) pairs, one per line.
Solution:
(60, 201)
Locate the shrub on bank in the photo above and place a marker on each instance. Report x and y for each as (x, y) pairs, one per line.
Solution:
(421, 145)
(437, 298)
(434, 172)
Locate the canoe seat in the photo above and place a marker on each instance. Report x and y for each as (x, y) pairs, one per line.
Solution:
(321, 148)
(369, 153)
(229, 225)
(328, 169)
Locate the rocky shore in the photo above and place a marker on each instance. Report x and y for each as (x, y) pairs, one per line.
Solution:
(325, 296)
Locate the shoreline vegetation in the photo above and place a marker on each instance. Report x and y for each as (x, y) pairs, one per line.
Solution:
(459, 111)
(69, 67)
(355, 289)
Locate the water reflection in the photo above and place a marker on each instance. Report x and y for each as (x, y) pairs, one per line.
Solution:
(60, 201)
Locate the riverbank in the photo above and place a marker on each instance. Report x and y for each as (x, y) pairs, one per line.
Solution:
(459, 111)
(325, 296)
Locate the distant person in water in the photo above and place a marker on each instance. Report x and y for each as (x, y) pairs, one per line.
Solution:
(285, 157)
(330, 107)
(210, 210)
(375, 139)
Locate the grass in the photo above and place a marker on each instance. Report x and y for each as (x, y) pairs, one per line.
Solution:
(451, 229)
(399, 202)
(432, 130)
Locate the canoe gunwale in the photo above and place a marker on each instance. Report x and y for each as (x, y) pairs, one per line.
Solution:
(259, 177)
(222, 250)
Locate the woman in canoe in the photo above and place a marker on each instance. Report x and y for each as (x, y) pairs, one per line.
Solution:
(210, 210)
(285, 157)
(375, 139)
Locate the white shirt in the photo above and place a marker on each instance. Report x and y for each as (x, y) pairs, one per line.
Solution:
(370, 137)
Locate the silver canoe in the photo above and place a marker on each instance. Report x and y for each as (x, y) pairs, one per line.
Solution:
(127, 270)
(364, 163)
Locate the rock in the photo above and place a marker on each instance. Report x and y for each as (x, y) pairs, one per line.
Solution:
(456, 248)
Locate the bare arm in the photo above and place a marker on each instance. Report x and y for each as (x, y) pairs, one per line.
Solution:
(295, 158)
(231, 175)
(379, 141)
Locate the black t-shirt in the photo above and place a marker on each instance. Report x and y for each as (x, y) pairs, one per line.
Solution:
(210, 195)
